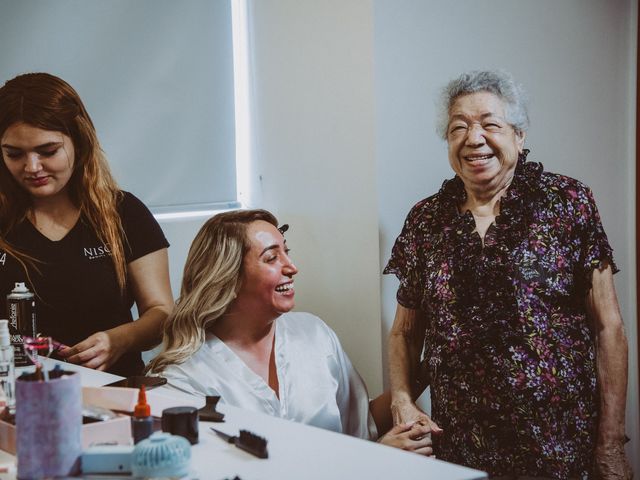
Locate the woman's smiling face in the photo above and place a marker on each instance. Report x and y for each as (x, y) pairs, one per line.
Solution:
(483, 146)
(267, 276)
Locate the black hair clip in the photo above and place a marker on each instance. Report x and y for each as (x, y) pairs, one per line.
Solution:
(283, 228)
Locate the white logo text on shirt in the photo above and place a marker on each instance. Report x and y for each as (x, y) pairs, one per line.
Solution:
(96, 252)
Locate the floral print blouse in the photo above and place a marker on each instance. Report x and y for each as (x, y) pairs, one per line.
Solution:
(508, 348)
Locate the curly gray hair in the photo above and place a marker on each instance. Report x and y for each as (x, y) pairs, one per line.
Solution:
(498, 82)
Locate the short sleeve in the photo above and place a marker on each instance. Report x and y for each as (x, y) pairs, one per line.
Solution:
(404, 261)
(142, 231)
(594, 244)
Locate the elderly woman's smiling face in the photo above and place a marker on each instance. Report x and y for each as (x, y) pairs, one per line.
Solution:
(483, 147)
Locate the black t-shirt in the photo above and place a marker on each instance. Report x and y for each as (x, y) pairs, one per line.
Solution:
(77, 293)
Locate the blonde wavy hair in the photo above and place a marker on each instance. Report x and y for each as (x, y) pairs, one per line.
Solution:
(48, 102)
(212, 277)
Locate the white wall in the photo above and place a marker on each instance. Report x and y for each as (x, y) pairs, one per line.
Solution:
(314, 167)
(577, 58)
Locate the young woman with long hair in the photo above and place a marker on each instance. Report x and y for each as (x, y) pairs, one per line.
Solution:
(87, 249)
(233, 334)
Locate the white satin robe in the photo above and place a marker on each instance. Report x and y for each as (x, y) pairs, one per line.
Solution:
(318, 385)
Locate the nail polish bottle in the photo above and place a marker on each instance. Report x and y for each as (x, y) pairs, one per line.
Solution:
(142, 421)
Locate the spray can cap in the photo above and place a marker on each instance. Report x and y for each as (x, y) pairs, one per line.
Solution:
(20, 288)
(5, 339)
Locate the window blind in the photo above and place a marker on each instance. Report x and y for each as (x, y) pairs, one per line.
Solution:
(157, 79)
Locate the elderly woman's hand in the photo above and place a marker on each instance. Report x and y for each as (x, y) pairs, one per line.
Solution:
(408, 412)
(611, 462)
(412, 437)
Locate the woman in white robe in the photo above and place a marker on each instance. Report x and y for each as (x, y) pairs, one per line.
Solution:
(233, 334)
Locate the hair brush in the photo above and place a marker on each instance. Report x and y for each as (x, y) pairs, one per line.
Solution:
(247, 441)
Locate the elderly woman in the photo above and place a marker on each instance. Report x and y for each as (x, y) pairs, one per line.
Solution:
(233, 334)
(506, 304)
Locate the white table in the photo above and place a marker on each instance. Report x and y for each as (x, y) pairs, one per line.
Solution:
(299, 452)
(296, 451)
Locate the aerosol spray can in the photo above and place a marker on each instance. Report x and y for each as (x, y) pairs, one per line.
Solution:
(21, 310)
(7, 371)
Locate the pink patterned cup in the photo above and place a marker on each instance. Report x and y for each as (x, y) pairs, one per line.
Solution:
(48, 424)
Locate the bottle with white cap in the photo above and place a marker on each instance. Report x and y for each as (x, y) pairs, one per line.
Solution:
(7, 370)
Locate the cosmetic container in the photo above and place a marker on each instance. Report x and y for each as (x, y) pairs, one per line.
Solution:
(142, 421)
(162, 455)
(7, 370)
(48, 426)
(181, 421)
